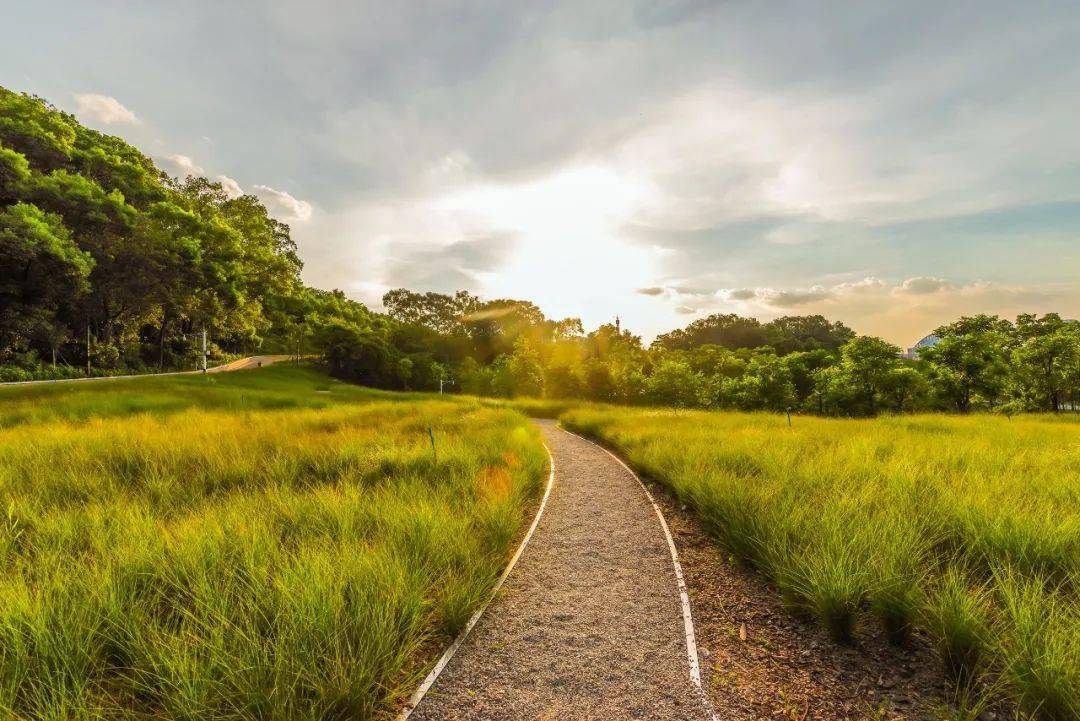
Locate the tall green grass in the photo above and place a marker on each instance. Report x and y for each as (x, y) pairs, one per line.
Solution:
(968, 528)
(269, 545)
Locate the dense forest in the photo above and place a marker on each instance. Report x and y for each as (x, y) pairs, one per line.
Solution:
(108, 263)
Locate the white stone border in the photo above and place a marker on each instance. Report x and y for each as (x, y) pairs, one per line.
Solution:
(448, 654)
(684, 596)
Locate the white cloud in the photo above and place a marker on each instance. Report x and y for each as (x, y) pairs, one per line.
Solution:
(230, 186)
(923, 285)
(284, 205)
(789, 298)
(103, 109)
(182, 166)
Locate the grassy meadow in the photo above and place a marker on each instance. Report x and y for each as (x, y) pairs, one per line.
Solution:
(263, 544)
(965, 527)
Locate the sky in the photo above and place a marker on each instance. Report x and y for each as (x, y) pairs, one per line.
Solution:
(889, 165)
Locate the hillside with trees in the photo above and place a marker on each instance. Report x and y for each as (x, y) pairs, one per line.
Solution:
(109, 263)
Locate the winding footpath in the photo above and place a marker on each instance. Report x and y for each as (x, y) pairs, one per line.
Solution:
(590, 623)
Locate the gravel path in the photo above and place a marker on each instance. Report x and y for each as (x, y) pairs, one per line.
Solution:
(589, 624)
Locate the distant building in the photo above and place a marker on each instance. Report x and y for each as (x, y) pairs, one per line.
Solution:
(912, 353)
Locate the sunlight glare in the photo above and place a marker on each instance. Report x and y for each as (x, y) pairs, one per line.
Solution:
(569, 256)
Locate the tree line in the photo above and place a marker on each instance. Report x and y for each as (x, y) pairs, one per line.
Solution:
(805, 363)
(108, 263)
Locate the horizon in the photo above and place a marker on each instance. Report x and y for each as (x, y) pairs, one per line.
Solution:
(659, 162)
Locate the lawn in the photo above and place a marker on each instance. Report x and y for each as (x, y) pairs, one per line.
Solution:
(264, 544)
(967, 528)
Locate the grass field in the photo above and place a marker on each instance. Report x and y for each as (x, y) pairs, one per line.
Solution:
(266, 544)
(965, 527)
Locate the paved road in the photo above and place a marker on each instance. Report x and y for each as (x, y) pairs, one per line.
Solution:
(255, 361)
(236, 365)
(589, 624)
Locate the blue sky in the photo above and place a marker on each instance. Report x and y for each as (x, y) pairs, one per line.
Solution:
(888, 165)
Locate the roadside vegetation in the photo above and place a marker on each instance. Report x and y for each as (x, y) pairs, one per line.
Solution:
(267, 544)
(966, 528)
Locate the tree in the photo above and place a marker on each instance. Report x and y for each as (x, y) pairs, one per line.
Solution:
(792, 333)
(41, 269)
(969, 360)
(714, 360)
(359, 354)
(766, 385)
(855, 386)
(562, 381)
(519, 373)
(36, 130)
(803, 365)
(903, 388)
(722, 329)
(14, 174)
(674, 383)
(1045, 356)
(439, 312)
(599, 384)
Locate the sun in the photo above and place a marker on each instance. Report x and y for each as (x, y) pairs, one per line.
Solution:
(569, 255)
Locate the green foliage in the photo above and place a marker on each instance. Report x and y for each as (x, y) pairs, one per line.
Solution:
(726, 330)
(14, 173)
(44, 270)
(1047, 355)
(136, 257)
(765, 384)
(806, 333)
(674, 383)
(969, 362)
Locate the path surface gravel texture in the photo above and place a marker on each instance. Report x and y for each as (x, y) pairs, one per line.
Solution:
(589, 623)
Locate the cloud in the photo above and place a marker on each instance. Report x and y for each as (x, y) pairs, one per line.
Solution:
(740, 294)
(655, 290)
(690, 290)
(284, 205)
(230, 186)
(182, 166)
(864, 285)
(103, 109)
(459, 264)
(685, 310)
(923, 285)
(791, 298)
